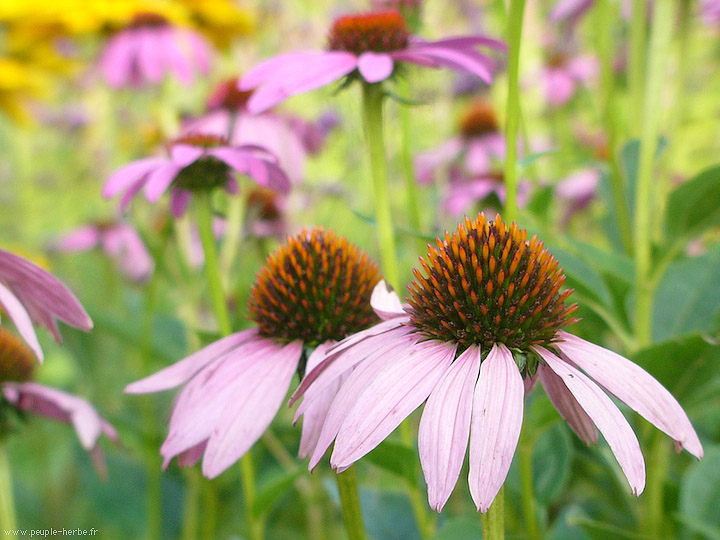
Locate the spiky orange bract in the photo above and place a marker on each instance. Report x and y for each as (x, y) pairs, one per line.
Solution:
(479, 119)
(488, 284)
(316, 287)
(382, 31)
(206, 173)
(17, 361)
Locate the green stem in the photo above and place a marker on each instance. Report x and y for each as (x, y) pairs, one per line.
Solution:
(512, 116)
(350, 504)
(7, 503)
(373, 124)
(636, 64)
(406, 157)
(233, 235)
(659, 52)
(212, 269)
(528, 495)
(606, 25)
(191, 508)
(655, 523)
(210, 512)
(425, 520)
(493, 521)
(248, 485)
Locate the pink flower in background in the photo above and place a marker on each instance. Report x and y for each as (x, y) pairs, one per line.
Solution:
(370, 44)
(577, 191)
(570, 11)
(196, 163)
(563, 74)
(710, 12)
(29, 294)
(288, 137)
(483, 323)
(235, 386)
(118, 240)
(16, 371)
(149, 49)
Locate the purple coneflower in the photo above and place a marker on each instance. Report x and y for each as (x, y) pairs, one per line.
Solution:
(117, 239)
(30, 294)
(18, 393)
(484, 321)
(150, 48)
(367, 46)
(313, 291)
(197, 163)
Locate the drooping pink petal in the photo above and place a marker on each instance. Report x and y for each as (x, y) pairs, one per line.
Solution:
(269, 69)
(182, 371)
(357, 380)
(159, 181)
(264, 172)
(458, 59)
(117, 60)
(20, 317)
(249, 415)
(149, 55)
(570, 10)
(184, 154)
(495, 428)
(445, 427)
(633, 386)
(192, 455)
(605, 415)
(568, 406)
(375, 67)
(179, 200)
(397, 391)
(176, 56)
(81, 239)
(129, 195)
(126, 176)
(385, 302)
(468, 42)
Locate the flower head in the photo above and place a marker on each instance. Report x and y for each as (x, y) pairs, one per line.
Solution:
(197, 163)
(311, 293)
(367, 46)
(29, 294)
(150, 48)
(484, 321)
(19, 394)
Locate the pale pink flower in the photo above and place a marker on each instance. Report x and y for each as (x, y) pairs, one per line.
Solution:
(710, 12)
(149, 49)
(234, 387)
(577, 191)
(368, 46)
(563, 74)
(484, 321)
(196, 162)
(117, 239)
(29, 294)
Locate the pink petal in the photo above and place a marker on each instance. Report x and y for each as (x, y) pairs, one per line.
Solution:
(559, 86)
(568, 406)
(182, 371)
(184, 154)
(569, 10)
(269, 69)
(176, 56)
(385, 302)
(467, 42)
(159, 181)
(179, 200)
(445, 427)
(365, 372)
(20, 317)
(633, 386)
(458, 59)
(81, 239)
(126, 176)
(192, 455)
(250, 413)
(117, 60)
(375, 67)
(149, 56)
(606, 416)
(496, 421)
(397, 391)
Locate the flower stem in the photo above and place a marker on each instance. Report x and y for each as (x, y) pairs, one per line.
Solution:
(212, 269)
(372, 101)
(654, 525)
(406, 157)
(350, 504)
(7, 503)
(512, 115)
(655, 83)
(528, 496)
(636, 61)
(493, 521)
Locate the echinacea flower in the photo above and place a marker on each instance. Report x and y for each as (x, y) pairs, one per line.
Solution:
(563, 74)
(150, 48)
(313, 291)
(19, 393)
(117, 239)
(369, 46)
(484, 321)
(197, 163)
(29, 294)
(288, 137)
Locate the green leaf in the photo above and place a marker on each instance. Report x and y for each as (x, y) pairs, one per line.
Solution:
(527, 161)
(695, 205)
(703, 529)
(688, 297)
(608, 262)
(682, 365)
(388, 515)
(603, 531)
(700, 490)
(581, 276)
(269, 493)
(459, 528)
(395, 458)
(552, 456)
